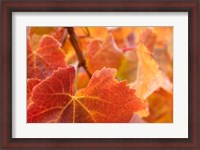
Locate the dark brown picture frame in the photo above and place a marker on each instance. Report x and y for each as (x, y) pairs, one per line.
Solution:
(9, 6)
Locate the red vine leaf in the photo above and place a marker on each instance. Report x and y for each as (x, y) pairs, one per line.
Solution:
(36, 33)
(51, 96)
(109, 100)
(46, 58)
(104, 100)
(31, 83)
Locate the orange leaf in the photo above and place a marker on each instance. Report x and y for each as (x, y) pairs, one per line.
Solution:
(160, 107)
(46, 58)
(165, 62)
(98, 32)
(87, 34)
(148, 38)
(163, 50)
(165, 39)
(105, 54)
(92, 32)
(103, 100)
(121, 36)
(41, 30)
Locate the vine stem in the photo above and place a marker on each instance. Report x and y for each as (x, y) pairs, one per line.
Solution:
(74, 41)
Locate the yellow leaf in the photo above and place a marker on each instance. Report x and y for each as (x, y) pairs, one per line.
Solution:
(149, 76)
(128, 67)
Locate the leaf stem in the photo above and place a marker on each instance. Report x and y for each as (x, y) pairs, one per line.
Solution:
(129, 48)
(74, 41)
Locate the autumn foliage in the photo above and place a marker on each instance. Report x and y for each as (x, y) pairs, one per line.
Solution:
(99, 74)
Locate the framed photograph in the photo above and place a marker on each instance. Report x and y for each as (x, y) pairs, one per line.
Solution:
(100, 75)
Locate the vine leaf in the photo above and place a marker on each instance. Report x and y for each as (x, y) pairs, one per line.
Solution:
(149, 77)
(161, 107)
(148, 38)
(31, 83)
(105, 54)
(46, 58)
(51, 96)
(87, 34)
(104, 100)
(123, 36)
(128, 67)
(36, 33)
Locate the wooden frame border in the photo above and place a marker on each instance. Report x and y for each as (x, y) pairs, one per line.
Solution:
(9, 6)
